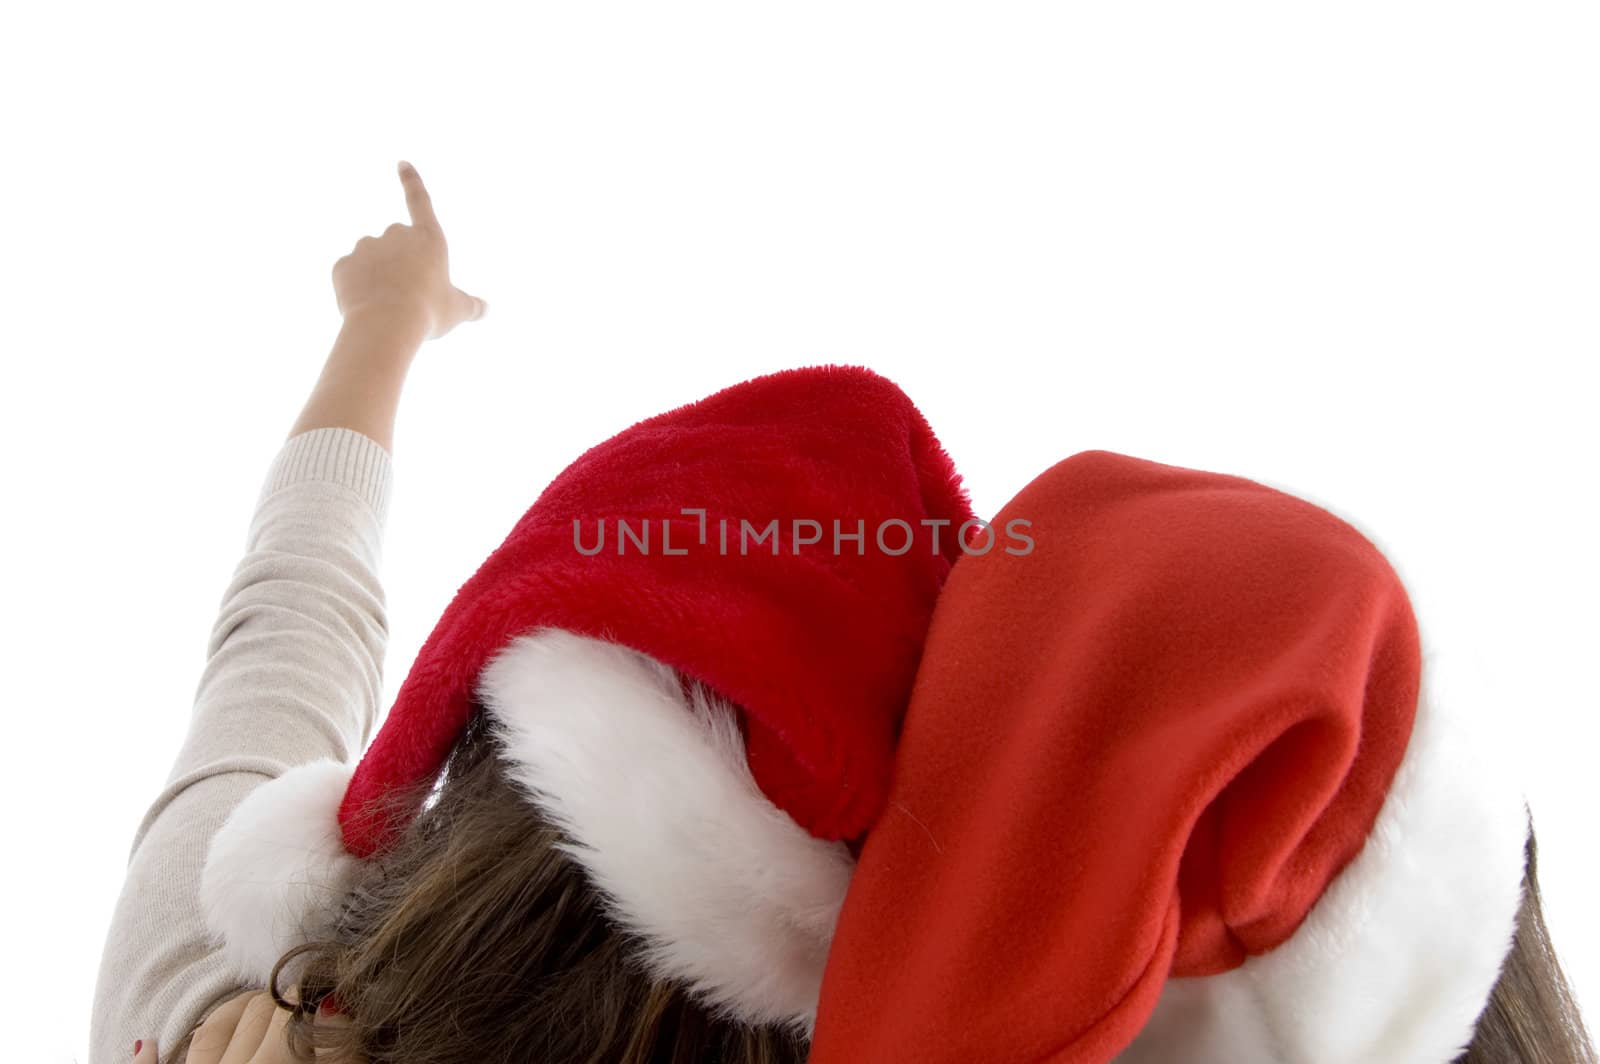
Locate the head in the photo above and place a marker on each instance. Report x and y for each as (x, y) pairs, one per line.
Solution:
(478, 938)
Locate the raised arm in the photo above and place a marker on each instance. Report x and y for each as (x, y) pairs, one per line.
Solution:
(294, 662)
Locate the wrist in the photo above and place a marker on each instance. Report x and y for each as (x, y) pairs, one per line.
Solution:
(382, 334)
(406, 317)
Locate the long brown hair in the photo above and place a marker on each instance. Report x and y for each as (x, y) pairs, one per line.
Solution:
(478, 938)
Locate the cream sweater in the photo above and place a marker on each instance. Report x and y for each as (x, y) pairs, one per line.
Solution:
(293, 673)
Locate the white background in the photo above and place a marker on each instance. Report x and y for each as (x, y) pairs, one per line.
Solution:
(1346, 249)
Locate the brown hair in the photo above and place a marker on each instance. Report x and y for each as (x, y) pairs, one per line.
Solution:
(1531, 1017)
(478, 938)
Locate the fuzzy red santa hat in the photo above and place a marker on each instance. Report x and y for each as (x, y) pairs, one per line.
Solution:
(1177, 785)
(695, 647)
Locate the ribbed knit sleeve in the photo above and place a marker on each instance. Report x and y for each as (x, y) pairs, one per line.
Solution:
(293, 673)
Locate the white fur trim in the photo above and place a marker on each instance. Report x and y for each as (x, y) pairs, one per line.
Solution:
(730, 896)
(1396, 961)
(277, 868)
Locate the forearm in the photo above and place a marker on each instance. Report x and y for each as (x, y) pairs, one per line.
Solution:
(365, 372)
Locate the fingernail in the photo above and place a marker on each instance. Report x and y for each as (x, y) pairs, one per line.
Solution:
(404, 166)
(138, 1046)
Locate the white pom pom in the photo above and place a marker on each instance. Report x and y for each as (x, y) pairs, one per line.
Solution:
(278, 868)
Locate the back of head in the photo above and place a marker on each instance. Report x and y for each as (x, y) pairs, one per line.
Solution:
(480, 938)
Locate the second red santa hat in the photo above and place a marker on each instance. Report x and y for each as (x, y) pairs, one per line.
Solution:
(1177, 786)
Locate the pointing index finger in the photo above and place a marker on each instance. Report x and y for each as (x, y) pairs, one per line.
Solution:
(418, 201)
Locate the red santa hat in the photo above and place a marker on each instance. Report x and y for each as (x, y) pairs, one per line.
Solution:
(695, 648)
(1178, 784)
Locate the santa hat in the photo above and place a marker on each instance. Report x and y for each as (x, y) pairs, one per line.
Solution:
(1178, 784)
(695, 649)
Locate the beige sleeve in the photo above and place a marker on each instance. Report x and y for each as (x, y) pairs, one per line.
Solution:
(293, 673)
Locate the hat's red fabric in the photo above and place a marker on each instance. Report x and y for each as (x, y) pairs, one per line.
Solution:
(1143, 749)
(817, 643)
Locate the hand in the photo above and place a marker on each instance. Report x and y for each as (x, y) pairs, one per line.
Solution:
(406, 270)
(247, 1029)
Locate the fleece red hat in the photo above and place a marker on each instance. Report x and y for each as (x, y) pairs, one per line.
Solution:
(1176, 786)
(696, 647)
